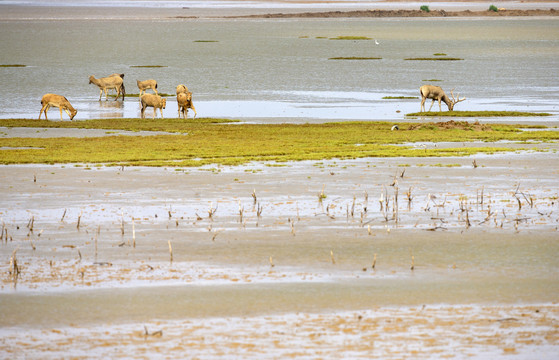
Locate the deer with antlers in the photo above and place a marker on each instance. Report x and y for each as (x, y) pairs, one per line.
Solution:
(437, 93)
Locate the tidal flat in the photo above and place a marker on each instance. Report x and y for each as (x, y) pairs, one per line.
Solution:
(302, 249)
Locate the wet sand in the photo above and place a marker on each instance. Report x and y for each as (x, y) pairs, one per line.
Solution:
(486, 280)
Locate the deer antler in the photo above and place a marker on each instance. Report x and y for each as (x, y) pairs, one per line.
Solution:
(455, 101)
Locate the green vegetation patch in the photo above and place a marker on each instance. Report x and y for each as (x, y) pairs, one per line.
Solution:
(351, 38)
(439, 54)
(479, 114)
(399, 97)
(208, 142)
(13, 65)
(434, 59)
(148, 66)
(205, 41)
(355, 58)
(431, 80)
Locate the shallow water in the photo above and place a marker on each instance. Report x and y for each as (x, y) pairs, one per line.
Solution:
(279, 70)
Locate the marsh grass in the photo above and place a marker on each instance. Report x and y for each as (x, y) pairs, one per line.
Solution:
(478, 114)
(205, 41)
(351, 38)
(205, 142)
(148, 66)
(12, 65)
(355, 58)
(434, 59)
(399, 97)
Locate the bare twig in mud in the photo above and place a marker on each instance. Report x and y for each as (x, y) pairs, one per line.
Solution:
(34, 178)
(332, 257)
(79, 220)
(271, 262)
(474, 164)
(80, 255)
(402, 174)
(14, 268)
(63, 216)
(412, 262)
(121, 224)
(468, 224)
(409, 197)
(259, 210)
(212, 211)
(254, 196)
(156, 333)
(241, 211)
(215, 233)
(170, 251)
(292, 224)
(374, 261)
(31, 223)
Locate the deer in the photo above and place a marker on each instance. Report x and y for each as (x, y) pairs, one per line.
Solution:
(107, 83)
(184, 100)
(181, 89)
(147, 84)
(154, 101)
(58, 101)
(437, 93)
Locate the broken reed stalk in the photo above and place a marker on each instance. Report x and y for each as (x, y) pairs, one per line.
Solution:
(412, 263)
(170, 251)
(31, 223)
(374, 261)
(241, 211)
(332, 257)
(63, 216)
(14, 268)
(79, 220)
(254, 196)
(259, 210)
(271, 262)
(122, 224)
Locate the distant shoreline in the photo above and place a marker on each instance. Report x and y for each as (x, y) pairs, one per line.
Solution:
(401, 13)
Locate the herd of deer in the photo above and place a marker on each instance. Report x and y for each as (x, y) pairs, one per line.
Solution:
(116, 82)
(184, 97)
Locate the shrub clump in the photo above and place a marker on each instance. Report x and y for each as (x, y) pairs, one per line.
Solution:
(493, 8)
(425, 8)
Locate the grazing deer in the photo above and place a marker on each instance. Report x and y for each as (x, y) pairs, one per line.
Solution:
(107, 83)
(437, 93)
(58, 101)
(154, 101)
(147, 84)
(184, 100)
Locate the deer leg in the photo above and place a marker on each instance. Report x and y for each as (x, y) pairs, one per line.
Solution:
(100, 93)
(193, 109)
(43, 109)
(422, 107)
(46, 109)
(432, 103)
(143, 111)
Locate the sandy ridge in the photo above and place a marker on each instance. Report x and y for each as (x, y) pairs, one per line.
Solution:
(403, 13)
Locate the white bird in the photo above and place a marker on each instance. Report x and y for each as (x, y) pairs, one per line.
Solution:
(376, 42)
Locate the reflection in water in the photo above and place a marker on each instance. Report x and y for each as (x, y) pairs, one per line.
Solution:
(117, 108)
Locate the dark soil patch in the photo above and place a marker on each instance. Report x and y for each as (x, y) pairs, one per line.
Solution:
(448, 125)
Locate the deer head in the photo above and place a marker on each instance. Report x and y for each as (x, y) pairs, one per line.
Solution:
(454, 100)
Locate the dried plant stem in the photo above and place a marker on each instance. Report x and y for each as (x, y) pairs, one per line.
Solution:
(412, 262)
(271, 262)
(374, 261)
(170, 251)
(79, 220)
(332, 257)
(63, 216)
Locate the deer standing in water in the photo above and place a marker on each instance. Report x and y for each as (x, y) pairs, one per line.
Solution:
(58, 101)
(437, 93)
(105, 84)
